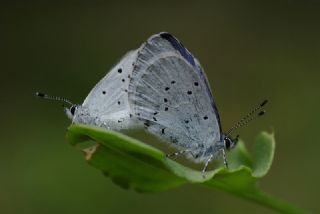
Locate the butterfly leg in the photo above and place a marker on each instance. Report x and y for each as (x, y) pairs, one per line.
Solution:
(175, 155)
(225, 162)
(206, 166)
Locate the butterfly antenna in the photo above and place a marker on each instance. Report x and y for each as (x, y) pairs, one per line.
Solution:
(249, 117)
(48, 97)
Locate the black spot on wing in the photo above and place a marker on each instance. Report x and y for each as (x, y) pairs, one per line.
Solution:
(179, 47)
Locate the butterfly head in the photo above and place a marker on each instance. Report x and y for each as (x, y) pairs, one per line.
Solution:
(230, 143)
(70, 112)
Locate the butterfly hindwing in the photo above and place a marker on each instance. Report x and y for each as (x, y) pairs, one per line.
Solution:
(108, 100)
(167, 91)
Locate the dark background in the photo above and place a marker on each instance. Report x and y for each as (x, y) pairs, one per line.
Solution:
(249, 50)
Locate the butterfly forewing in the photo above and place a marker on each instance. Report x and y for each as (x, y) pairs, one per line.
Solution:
(169, 91)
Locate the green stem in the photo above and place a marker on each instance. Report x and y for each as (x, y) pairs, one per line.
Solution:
(274, 203)
(259, 197)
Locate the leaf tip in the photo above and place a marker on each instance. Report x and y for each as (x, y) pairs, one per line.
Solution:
(264, 153)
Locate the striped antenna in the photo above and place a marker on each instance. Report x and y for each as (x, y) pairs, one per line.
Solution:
(48, 97)
(249, 117)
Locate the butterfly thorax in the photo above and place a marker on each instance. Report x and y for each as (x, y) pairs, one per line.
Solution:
(82, 115)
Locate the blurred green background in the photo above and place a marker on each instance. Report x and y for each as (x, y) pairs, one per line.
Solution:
(250, 50)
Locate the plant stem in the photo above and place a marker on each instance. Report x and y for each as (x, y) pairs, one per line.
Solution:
(267, 200)
(259, 197)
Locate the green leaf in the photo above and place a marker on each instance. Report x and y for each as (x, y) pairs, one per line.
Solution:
(136, 165)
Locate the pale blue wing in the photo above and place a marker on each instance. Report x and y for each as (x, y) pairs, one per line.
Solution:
(169, 90)
(107, 103)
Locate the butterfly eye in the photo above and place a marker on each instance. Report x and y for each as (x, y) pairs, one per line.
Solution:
(227, 143)
(73, 109)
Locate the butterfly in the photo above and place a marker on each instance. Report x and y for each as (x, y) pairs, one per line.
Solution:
(170, 92)
(163, 86)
